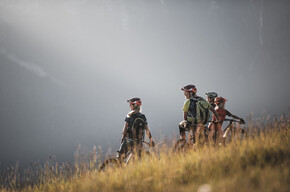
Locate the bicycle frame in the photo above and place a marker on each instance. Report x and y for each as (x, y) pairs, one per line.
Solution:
(130, 153)
(228, 129)
(121, 160)
(128, 157)
(232, 128)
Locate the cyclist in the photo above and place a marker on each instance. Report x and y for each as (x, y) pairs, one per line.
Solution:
(210, 98)
(134, 127)
(191, 119)
(222, 113)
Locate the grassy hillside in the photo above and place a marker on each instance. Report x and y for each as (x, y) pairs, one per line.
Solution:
(261, 163)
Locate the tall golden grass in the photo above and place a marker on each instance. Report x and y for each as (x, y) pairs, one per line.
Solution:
(259, 163)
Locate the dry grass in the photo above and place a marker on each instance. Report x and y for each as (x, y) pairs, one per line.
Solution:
(261, 163)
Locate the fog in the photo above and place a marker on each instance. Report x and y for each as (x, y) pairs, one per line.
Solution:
(67, 67)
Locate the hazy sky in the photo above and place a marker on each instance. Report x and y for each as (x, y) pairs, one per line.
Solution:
(67, 67)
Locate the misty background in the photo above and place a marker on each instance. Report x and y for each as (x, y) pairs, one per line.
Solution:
(67, 67)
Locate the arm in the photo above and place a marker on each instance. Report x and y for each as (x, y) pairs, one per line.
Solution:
(235, 117)
(148, 133)
(215, 113)
(185, 115)
(185, 109)
(124, 130)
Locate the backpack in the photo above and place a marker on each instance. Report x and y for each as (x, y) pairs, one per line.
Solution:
(136, 131)
(199, 110)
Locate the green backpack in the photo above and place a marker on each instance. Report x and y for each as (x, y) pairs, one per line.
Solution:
(199, 109)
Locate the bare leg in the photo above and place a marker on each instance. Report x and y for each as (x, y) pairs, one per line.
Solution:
(212, 128)
(219, 133)
(190, 133)
(197, 133)
(201, 136)
(182, 136)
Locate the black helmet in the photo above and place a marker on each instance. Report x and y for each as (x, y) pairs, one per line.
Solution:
(135, 100)
(189, 88)
(212, 94)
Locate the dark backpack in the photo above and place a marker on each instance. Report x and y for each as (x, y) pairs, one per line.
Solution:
(136, 130)
(199, 110)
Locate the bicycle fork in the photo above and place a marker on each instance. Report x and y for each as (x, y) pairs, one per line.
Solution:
(128, 159)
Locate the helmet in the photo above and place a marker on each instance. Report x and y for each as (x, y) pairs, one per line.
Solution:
(212, 94)
(135, 100)
(189, 88)
(219, 100)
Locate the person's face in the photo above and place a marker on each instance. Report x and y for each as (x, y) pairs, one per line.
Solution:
(186, 94)
(132, 106)
(221, 105)
(210, 99)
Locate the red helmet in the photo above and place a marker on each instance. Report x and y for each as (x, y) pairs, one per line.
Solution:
(135, 100)
(219, 100)
(189, 88)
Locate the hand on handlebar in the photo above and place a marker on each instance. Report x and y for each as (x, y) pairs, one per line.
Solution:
(242, 121)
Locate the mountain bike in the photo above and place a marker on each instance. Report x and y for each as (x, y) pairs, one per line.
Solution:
(231, 132)
(182, 145)
(123, 160)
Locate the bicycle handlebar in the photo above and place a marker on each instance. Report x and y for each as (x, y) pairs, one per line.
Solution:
(234, 120)
(231, 120)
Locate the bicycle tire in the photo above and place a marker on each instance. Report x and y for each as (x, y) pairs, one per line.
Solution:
(109, 163)
(180, 146)
(239, 136)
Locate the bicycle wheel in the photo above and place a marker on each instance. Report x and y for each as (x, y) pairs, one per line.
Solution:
(227, 136)
(180, 146)
(237, 135)
(110, 163)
